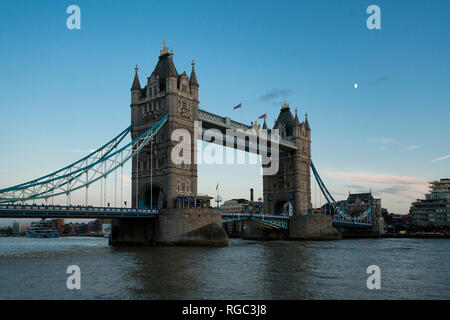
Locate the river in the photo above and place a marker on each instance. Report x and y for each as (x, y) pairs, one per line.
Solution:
(410, 269)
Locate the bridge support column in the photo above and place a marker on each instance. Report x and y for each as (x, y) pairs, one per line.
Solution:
(252, 232)
(132, 232)
(312, 228)
(191, 226)
(174, 226)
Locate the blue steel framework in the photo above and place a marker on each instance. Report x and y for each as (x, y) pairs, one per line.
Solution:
(341, 218)
(93, 167)
(68, 179)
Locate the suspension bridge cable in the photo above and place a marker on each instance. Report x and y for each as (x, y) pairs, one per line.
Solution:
(38, 189)
(136, 205)
(109, 146)
(104, 192)
(115, 188)
(151, 174)
(121, 182)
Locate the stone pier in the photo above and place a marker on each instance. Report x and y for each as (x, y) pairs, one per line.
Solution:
(253, 232)
(175, 226)
(312, 228)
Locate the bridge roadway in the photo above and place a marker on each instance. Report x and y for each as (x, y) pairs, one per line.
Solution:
(72, 212)
(90, 212)
(214, 121)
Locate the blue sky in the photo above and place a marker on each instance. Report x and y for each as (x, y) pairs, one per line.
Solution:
(64, 92)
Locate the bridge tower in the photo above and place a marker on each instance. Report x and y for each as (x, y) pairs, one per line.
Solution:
(156, 180)
(291, 186)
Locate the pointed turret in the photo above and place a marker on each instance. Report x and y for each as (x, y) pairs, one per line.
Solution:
(265, 124)
(136, 84)
(297, 123)
(165, 68)
(306, 122)
(285, 121)
(193, 78)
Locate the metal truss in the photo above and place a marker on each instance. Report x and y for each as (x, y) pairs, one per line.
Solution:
(276, 222)
(340, 213)
(83, 172)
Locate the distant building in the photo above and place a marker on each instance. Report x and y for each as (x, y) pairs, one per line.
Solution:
(235, 228)
(356, 204)
(5, 230)
(435, 209)
(20, 227)
(94, 226)
(394, 218)
(235, 206)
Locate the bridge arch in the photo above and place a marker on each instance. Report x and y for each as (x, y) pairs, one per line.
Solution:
(153, 195)
(284, 208)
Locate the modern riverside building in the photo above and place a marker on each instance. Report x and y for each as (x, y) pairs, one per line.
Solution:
(435, 209)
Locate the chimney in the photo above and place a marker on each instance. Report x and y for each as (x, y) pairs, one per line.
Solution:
(251, 194)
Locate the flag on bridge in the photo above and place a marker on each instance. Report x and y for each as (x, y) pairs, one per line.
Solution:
(263, 116)
(238, 106)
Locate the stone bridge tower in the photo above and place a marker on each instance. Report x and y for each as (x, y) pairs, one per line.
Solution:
(291, 186)
(165, 91)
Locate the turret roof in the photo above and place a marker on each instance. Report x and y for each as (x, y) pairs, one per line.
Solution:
(193, 77)
(136, 84)
(286, 119)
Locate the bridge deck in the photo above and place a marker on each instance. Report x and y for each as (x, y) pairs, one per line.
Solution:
(214, 121)
(83, 212)
(72, 212)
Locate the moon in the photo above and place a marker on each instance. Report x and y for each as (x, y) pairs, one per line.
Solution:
(356, 85)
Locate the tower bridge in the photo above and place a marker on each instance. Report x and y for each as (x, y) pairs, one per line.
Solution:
(165, 105)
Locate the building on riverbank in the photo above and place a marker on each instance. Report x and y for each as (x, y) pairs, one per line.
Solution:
(20, 227)
(434, 210)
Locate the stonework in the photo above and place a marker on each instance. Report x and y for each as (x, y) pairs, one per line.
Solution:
(312, 228)
(174, 226)
(191, 226)
(292, 183)
(165, 92)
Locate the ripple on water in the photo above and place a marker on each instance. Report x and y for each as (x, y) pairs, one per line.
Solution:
(411, 269)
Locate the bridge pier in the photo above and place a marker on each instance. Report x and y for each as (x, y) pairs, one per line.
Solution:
(253, 232)
(133, 232)
(174, 226)
(312, 228)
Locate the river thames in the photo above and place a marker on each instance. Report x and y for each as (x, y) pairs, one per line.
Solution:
(410, 269)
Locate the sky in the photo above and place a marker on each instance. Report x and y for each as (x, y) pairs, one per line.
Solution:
(65, 92)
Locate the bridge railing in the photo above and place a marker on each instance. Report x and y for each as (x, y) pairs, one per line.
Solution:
(58, 208)
(226, 122)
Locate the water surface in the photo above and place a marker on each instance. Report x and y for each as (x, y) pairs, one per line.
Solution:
(410, 269)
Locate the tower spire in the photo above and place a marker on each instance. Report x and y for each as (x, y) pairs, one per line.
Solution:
(306, 122)
(297, 122)
(193, 77)
(136, 84)
(165, 50)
